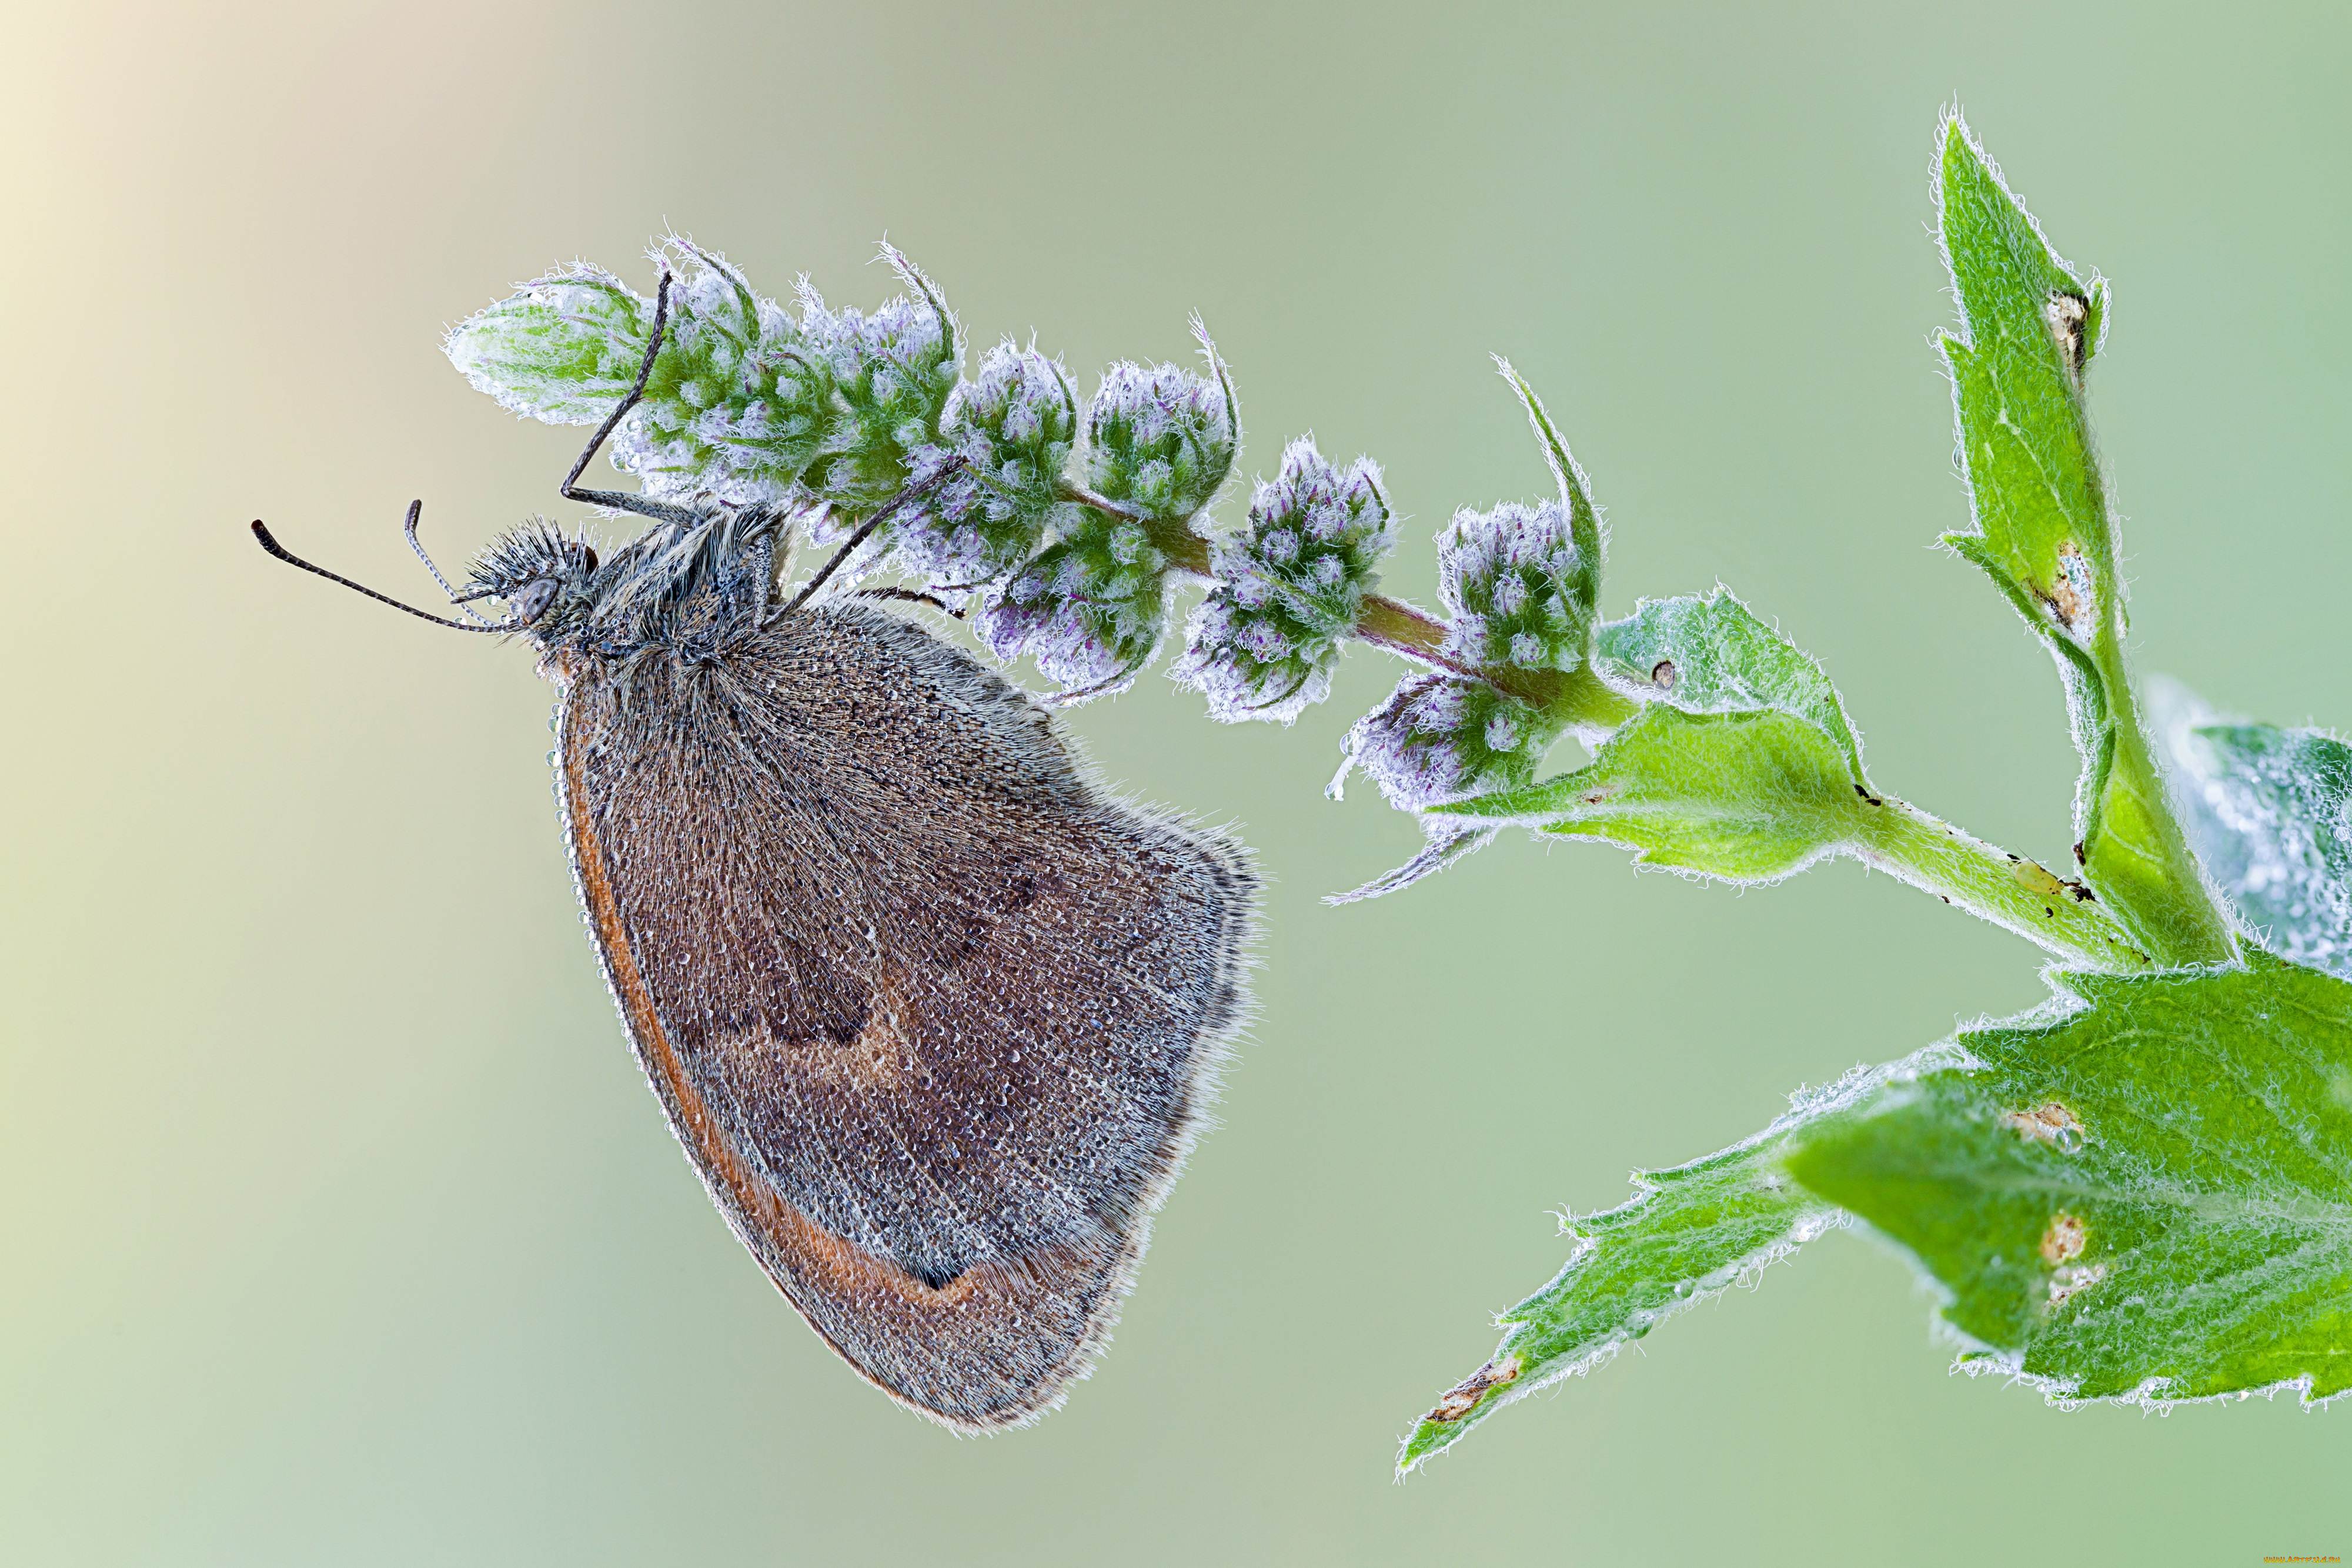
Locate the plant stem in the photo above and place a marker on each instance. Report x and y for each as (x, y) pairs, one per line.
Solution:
(1185, 550)
(1935, 857)
(2173, 908)
(1416, 634)
(2060, 916)
(1580, 697)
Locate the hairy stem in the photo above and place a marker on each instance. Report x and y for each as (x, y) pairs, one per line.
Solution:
(1579, 697)
(1405, 630)
(2177, 909)
(1416, 634)
(1935, 857)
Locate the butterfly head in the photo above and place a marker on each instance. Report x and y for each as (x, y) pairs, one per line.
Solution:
(546, 580)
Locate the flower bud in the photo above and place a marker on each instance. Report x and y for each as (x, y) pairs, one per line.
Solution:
(737, 405)
(1013, 427)
(1089, 609)
(1290, 586)
(890, 373)
(1442, 737)
(735, 408)
(1520, 593)
(564, 349)
(1161, 440)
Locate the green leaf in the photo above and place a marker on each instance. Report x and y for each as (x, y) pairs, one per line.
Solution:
(1575, 493)
(1708, 654)
(2142, 1193)
(2043, 534)
(1742, 766)
(1688, 1234)
(1747, 797)
(2041, 511)
(2269, 812)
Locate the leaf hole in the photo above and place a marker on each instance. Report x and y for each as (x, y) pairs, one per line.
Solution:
(2069, 317)
(2064, 1241)
(1463, 1396)
(2049, 1124)
(2070, 1282)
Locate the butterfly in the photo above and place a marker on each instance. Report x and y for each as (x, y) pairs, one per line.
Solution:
(932, 1015)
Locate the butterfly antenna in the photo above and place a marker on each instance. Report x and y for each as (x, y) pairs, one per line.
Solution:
(290, 558)
(415, 508)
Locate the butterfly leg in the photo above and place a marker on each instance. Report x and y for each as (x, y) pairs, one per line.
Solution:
(890, 509)
(933, 600)
(621, 500)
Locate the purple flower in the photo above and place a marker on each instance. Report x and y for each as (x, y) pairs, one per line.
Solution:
(1443, 737)
(1518, 592)
(1160, 439)
(1291, 584)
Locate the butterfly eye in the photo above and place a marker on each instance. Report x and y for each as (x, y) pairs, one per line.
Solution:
(531, 603)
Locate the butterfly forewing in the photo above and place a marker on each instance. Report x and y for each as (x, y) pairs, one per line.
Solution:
(932, 1016)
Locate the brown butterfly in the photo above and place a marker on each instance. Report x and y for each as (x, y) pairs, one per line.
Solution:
(932, 1015)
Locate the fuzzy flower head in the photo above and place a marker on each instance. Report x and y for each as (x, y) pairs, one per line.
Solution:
(1013, 427)
(735, 408)
(1089, 609)
(891, 373)
(564, 347)
(1290, 586)
(1161, 440)
(1520, 592)
(1442, 737)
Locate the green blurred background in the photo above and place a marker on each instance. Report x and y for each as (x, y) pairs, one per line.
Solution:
(338, 1226)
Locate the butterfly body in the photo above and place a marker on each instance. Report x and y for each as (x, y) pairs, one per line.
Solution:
(932, 1016)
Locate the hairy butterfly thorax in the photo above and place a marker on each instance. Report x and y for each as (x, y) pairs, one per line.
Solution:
(692, 587)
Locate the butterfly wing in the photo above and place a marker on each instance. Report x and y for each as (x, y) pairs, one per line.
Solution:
(932, 1016)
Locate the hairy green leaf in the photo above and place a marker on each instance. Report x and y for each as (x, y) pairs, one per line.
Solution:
(2269, 812)
(1743, 766)
(1688, 1234)
(1748, 797)
(1709, 654)
(2143, 1192)
(1583, 585)
(2030, 324)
